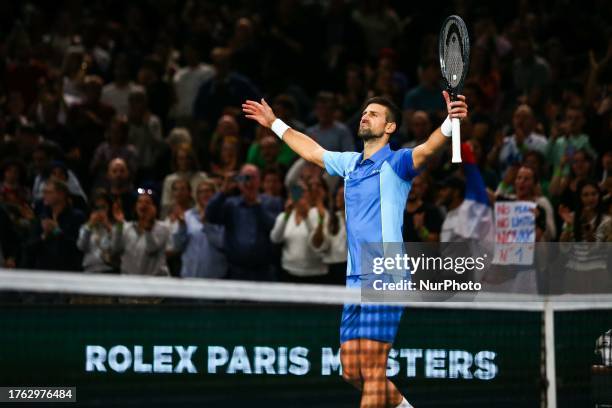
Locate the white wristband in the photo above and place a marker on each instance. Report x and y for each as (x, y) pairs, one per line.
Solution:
(279, 127)
(447, 127)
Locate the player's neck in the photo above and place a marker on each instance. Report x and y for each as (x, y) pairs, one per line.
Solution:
(370, 147)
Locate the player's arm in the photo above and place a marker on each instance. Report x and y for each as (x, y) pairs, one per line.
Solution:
(297, 141)
(439, 137)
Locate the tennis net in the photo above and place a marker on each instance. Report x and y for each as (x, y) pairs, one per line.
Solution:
(146, 341)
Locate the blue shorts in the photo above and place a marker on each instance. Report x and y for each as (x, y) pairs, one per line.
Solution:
(374, 322)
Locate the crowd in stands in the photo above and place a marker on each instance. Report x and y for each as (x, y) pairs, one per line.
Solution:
(123, 148)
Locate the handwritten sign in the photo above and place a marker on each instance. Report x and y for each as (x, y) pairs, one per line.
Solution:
(514, 232)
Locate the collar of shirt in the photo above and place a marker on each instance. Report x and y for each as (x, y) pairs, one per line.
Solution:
(377, 157)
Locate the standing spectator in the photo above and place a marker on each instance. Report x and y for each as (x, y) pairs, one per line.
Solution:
(200, 242)
(185, 166)
(531, 72)
(380, 25)
(95, 236)
(188, 80)
(117, 93)
(224, 89)
(228, 160)
(248, 219)
(426, 95)
(572, 139)
(526, 188)
(145, 133)
(293, 228)
(90, 118)
(329, 133)
(160, 94)
(182, 200)
(54, 242)
(141, 243)
(422, 219)
(329, 239)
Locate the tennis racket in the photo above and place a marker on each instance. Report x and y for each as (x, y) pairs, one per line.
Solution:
(454, 49)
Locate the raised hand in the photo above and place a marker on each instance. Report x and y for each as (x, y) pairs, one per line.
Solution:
(118, 212)
(260, 112)
(566, 215)
(457, 109)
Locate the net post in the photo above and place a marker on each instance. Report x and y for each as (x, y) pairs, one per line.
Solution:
(549, 344)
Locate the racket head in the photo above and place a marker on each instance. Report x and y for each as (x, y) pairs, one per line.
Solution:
(454, 52)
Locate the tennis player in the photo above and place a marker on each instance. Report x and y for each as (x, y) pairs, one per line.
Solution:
(376, 185)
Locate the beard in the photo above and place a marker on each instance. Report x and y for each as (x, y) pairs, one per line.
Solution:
(366, 134)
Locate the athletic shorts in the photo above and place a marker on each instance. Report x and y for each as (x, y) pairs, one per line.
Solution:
(369, 321)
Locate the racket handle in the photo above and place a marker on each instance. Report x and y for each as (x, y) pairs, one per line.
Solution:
(456, 140)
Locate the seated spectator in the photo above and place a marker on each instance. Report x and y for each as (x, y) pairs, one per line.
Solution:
(58, 171)
(200, 242)
(13, 180)
(523, 140)
(185, 166)
(54, 239)
(182, 199)
(419, 129)
(116, 146)
(227, 126)
(119, 182)
(588, 223)
(141, 243)
(329, 239)
(272, 183)
(293, 229)
(422, 219)
(563, 187)
(329, 133)
(95, 236)
(228, 160)
(268, 150)
(248, 219)
(587, 265)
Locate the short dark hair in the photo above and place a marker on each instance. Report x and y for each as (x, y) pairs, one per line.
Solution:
(394, 115)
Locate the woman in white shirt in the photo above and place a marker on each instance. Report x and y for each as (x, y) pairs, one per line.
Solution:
(329, 239)
(141, 243)
(292, 229)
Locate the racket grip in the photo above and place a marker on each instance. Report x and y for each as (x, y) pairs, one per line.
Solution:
(456, 124)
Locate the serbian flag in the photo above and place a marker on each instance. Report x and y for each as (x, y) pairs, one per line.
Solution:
(473, 219)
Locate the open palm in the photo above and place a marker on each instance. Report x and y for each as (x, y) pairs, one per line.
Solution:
(259, 112)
